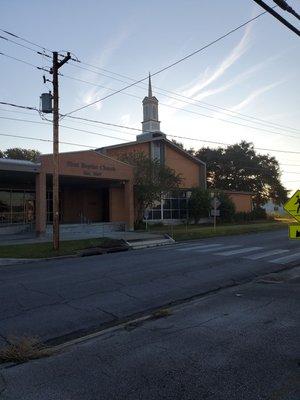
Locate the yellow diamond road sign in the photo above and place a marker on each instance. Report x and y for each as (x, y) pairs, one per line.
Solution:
(294, 231)
(292, 206)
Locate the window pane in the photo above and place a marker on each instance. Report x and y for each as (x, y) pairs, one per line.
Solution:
(182, 204)
(17, 201)
(156, 214)
(167, 203)
(5, 218)
(17, 217)
(167, 214)
(4, 201)
(183, 214)
(174, 204)
(175, 214)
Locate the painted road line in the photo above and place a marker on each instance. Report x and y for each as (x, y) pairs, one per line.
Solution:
(221, 247)
(266, 254)
(239, 251)
(286, 259)
(202, 246)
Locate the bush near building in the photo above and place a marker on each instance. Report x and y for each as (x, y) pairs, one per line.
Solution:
(199, 204)
(254, 215)
(227, 207)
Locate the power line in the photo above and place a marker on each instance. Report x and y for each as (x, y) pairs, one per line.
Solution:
(24, 46)
(183, 110)
(46, 140)
(167, 105)
(228, 144)
(114, 130)
(177, 108)
(191, 101)
(64, 126)
(202, 115)
(25, 40)
(286, 7)
(126, 77)
(174, 136)
(172, 64)
(24, 62)
(18, 106)
(277, 16)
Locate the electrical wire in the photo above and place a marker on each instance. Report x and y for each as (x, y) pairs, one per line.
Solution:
(183, 110)
(172, 64)
(25, 40)
(18, 106)
(174, 136)
(24, 46)
(46, 140)
(266, 123)
(24, 62)
(193, 112)
(234, 113)
(192, 101)
(66, 127)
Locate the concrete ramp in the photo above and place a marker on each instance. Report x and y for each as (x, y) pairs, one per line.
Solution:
(141, 243)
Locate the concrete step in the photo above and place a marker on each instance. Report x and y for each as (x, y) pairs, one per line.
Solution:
(88, 229)
(142, 244)
(15, 229)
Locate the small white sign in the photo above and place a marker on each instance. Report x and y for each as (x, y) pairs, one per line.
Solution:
(215, 213)
(215, 203)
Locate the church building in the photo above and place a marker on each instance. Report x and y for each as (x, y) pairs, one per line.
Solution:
(155, 144)
(95, 186)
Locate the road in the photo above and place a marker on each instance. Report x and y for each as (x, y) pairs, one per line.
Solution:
(238, 343)
(65, 299)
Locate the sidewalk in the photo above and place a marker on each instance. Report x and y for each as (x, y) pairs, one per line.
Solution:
(31, 238)
(242, 343)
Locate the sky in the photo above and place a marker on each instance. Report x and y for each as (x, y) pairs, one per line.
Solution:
(254, 72)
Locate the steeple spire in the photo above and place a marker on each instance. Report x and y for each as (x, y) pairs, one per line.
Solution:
(149, 87)
(150, 112)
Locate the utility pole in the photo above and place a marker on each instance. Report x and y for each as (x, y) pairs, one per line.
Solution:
(54, 71)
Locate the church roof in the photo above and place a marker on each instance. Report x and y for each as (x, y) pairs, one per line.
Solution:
(153, 139)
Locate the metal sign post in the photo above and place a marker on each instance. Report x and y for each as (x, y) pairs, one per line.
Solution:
(215, 203)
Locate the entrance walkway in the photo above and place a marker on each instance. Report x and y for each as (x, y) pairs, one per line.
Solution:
(78, 234)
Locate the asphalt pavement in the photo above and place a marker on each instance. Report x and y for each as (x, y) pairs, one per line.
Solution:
(64, 299)
(240, 343)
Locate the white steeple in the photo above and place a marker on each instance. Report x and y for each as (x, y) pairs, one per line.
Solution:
(150, 112)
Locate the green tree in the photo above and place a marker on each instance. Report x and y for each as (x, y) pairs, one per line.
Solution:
(227, 207)
(199, 204)
(152, 180)
(18, 153)
(239, 167)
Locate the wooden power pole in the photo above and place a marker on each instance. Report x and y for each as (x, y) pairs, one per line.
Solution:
(54, 71)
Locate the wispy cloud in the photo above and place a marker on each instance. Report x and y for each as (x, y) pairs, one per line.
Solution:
(125, 119)
(209, 77)
(101, 60)
(195, 88)
(254, 94)
(202, 94)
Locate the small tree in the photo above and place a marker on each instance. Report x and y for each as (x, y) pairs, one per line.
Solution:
(152, 180)
(199, 204)
(17, 153)
(227, 207)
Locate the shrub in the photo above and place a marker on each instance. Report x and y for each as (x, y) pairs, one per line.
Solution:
(199, 204)
(255, 214)
(227, 207)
